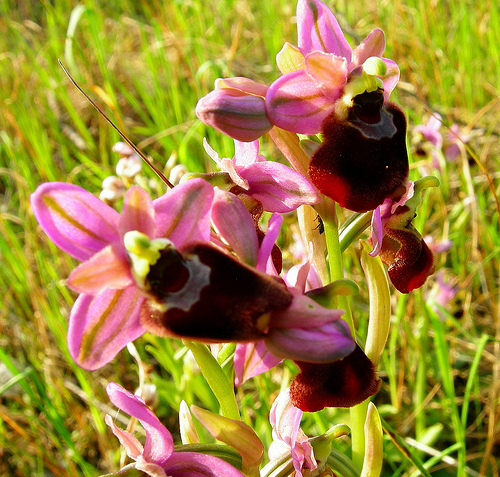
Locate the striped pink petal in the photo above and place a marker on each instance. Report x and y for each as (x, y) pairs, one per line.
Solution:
(277, 187)
(372, 45)
(137, 213)
(295, 103)
(183, 213)
(318, 29)
(108, 268)
(75, 220)
(252, 359)
(101, 325)
(159, 445)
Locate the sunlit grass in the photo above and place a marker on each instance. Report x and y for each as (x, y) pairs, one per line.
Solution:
(147, 64)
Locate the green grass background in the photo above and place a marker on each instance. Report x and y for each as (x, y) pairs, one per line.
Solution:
(147, 63)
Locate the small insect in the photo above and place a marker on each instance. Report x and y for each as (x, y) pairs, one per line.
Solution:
(321, 226)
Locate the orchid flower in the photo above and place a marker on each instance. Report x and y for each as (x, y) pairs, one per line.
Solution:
(288, 437)
(216, 297)
(343, 93)
(449, 145)
(106, 315)
(431, 130)
(454, 139)
(317, 71)
(446, 292)
(308, 457)
(277, 187)
(399, 245)
(157, 456)
(337, 373)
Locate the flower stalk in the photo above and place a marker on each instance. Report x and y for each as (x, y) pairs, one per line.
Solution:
(218, 381)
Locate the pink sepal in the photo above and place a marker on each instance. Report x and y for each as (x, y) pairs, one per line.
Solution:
(252, 359)
(101, 325)
(75, 220)
(183, 214)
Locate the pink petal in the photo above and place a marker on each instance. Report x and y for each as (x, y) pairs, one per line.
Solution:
(285, 420)
(328, 71)
(159, 445)
(153, 470)
(252, 359)
(322, 344)
(391, 78)
(183, 213)
(279, 188)
(430, 131)
(75, 220)
(100, 326)
(235, 225)
(295, 102)
(318, 29)
(129, 441)
(267, 245)
(226, 165)
(193, 464)
(372, 45)
(246, 153)
(137, 213)
(378, 231)
(297, 276)
(108, 268)
(302, 312)
(211, 152)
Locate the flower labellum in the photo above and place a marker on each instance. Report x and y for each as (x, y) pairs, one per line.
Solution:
(205, 294)
(342, 383)
(363, 159)
(400, 246)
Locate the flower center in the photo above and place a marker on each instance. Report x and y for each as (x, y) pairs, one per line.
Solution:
(363, 80)
(143, 253)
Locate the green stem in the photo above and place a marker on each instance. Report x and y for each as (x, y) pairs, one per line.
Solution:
(218, 381)
(357, 413)
(336, 266)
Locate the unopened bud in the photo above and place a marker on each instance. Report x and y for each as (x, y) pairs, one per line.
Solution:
(122, 148)
(113, 189)
(129, 167)
(374, 446)
(236, 108)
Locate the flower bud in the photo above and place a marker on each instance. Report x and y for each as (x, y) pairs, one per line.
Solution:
(374, 448)
(128, 167)
(237, 108)
(235, 434)
(113, 189)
